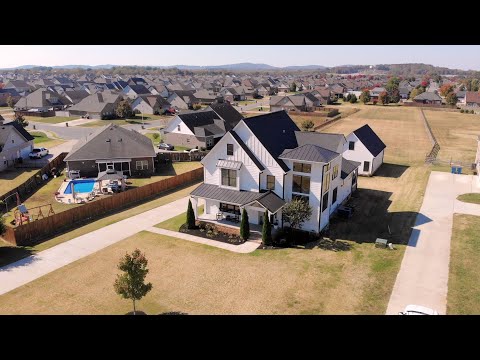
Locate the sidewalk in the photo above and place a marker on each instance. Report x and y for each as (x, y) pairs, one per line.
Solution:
(75, 122)
(26, 270)
(246, 247)
(423, 275)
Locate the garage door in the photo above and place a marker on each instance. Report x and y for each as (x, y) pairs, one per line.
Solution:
(25, 151)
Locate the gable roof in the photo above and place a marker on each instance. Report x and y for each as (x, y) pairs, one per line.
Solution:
(5, 130)
(311, 153)
(112, 142)
(472, 97)
(327, 141)
(428, 96)
(247, 150)
(228, 113)
(42, 98)
(139, 89)
(371, 140)
(348, 166)
(276, 132)
(198, 119)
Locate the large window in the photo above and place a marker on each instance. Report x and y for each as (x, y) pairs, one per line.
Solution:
(301, 184)
(229, 177)
(351, 145)
(326, 183)
(229, 149)
(334, 196)
(335, 172)
(366, 166)
(141, 165)
(303, 168)
(325, 201)
(229, 208)
(270, 182)
(354, 178)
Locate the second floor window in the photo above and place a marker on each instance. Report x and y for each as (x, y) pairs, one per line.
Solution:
(326, 183)
(351, 145)
(229, 177)
(229, 149)
(178, 127)
(303, 168)
(270, 182)
(301, 184)
(335, 172)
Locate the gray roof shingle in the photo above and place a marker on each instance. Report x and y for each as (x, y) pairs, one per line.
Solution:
(348, 166)
(311, 153)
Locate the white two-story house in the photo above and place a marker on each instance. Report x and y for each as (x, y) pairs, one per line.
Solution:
(15, 143)
(266, 161)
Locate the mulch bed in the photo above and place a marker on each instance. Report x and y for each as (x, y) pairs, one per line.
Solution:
(217, 236)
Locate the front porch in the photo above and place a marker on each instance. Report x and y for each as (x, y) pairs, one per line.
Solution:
(255, 229)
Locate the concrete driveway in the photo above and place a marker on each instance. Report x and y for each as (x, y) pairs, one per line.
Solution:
(423, 275)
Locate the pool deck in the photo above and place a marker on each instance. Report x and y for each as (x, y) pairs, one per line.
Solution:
(79, 197)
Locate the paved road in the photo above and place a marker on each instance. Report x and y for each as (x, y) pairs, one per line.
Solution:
(423, 275)
(261, 102)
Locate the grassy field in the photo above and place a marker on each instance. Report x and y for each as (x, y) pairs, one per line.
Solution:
(463, 290)
(51, 120)
(174, 223)
(456, 133)
(41, 139)
(10, 253)
(473, 198)
(12, 178)
(166, 171)
(400, 128)
(197, 279)
(133, 120)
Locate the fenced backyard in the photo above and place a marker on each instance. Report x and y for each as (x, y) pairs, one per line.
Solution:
(35, 231)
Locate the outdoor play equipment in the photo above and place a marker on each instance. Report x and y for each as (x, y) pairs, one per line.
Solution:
(23, 215)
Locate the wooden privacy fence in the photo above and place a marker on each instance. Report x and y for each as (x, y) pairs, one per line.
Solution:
(33, 182)
(172, 156)
(36, 231)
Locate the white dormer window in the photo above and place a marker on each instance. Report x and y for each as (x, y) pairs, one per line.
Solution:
(178, 127)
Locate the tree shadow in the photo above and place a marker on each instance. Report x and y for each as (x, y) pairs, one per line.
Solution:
(371, 220)
(390, 170)
(12, 254)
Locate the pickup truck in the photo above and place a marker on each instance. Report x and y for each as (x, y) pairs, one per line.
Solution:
(38, 153)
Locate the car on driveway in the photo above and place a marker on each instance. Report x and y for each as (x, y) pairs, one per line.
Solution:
(38, 153)
(418, 310)
(165, 146)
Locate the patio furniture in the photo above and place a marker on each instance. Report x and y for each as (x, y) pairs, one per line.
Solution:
(219, 216)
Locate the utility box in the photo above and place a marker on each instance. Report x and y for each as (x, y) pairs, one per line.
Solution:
(381, 243)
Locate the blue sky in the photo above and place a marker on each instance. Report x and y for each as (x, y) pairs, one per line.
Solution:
(453, 56)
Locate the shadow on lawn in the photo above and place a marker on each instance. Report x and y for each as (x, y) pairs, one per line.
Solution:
(371, 220)
(11, 254)
(391, 170)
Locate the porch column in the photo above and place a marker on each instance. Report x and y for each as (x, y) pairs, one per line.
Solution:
(129, 168)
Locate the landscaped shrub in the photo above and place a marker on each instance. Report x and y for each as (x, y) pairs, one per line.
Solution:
(190, 216)
(244, 226)
(472, 112)
(462, 111)
(266, 230)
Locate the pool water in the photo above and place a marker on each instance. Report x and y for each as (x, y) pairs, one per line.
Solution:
(80, 186)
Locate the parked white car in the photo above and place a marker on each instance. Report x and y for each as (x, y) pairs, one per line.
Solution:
(418, 310)
(38, 153)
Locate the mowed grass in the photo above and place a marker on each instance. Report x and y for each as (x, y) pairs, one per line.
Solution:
(400, 128)
(39, 137)
(51, 120)
(456, 133)
(176, 222)
(12, 178)
(165, 172)
(473, 198)
(463, 291)
(133, 120)
(9, 253)
(197, 279)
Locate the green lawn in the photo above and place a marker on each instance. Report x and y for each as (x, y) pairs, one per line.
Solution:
(464, 278)
(473, 198)
(9, 253)
(174, 223)
(181, 148)
(41, 139)
(198, 279)
(151, 137)
(133, 120)
(51, 120)
(166, 171)
(12, 178)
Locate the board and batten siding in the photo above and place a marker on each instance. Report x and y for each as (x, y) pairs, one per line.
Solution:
(345, 188)
(248, 177)
(360, 154)
(261, 153)
(377, 161)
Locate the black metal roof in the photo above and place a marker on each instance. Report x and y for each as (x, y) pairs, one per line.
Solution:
(311, 153)
(371, 140)
(198, 119)
(348, 166)
(247, 151)
(228, 113)
(268, 200)
(276, 132)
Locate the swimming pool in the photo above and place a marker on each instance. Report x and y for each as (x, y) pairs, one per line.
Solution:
(80, 186)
